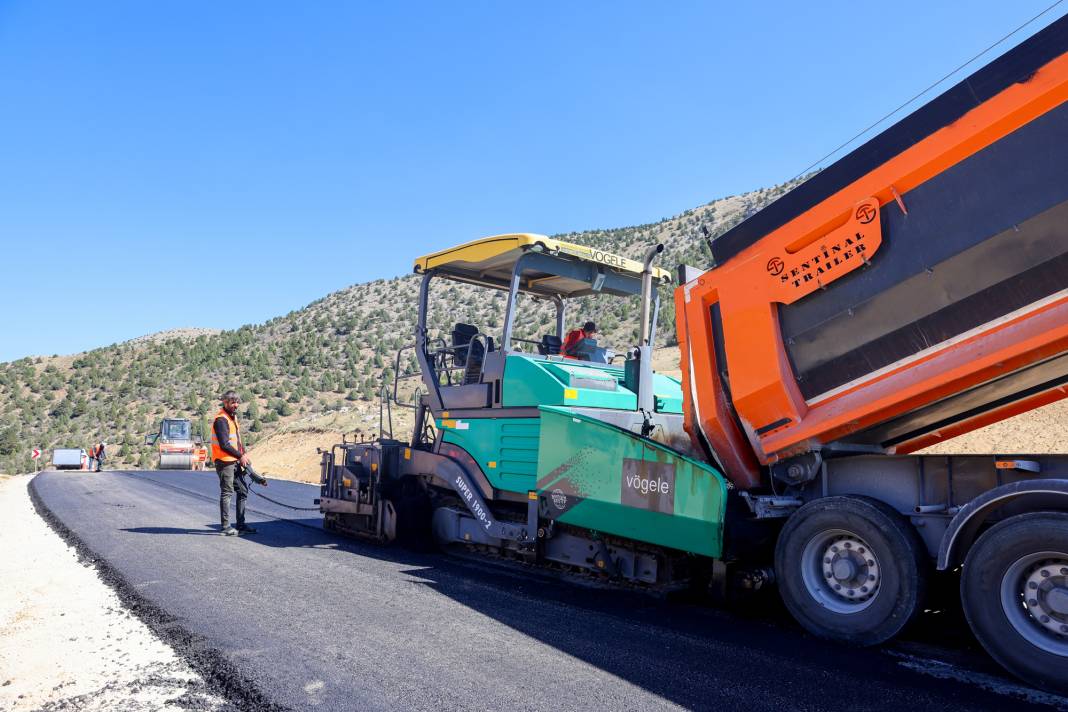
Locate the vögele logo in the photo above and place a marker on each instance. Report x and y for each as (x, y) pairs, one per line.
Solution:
(648, 485)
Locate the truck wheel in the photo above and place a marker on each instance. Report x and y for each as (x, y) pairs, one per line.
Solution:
(851, 568)
(1014, 590)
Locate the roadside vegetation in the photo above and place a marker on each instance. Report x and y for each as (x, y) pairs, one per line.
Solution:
(330, 356)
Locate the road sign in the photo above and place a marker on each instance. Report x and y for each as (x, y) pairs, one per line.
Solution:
(35, 453)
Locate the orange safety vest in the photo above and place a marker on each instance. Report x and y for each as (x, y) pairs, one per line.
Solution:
(217, 453)
(573, 337)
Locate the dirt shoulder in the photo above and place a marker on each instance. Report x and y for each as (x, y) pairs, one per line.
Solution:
(1040, 431)
(292, 452)
(66, 640)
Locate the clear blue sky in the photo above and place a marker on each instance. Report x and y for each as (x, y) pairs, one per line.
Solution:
(156, 154)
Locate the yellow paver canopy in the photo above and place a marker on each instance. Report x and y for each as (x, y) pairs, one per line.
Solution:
(491, 261)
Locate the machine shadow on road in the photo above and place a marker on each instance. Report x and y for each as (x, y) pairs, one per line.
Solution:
(672, 647)
(682, 652)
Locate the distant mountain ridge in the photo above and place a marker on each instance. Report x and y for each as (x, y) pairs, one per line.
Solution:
(324, 357)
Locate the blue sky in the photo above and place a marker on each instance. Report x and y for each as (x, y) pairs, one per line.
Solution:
(170, 164)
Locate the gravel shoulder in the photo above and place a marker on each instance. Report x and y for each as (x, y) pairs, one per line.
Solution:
(67, 642)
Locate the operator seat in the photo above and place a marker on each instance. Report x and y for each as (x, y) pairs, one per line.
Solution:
(550, 345)
(461, 337)
(463, 340)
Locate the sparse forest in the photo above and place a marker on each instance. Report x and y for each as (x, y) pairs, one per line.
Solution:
(326, 356)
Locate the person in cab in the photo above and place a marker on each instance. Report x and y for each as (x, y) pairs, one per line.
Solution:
(573, 346)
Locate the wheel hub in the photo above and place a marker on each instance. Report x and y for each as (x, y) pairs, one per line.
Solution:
(1058, 600)
(1045, 593)
(844, 569)
(850, 569)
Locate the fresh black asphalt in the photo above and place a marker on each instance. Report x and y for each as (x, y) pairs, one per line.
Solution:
(295, 617)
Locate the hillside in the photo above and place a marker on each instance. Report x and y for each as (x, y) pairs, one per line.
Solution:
(313, 374)
(305, 367)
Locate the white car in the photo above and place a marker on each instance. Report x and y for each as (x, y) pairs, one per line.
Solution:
(69, 458)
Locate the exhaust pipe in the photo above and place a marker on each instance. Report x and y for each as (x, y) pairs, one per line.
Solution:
(646, 399)
(647, 293)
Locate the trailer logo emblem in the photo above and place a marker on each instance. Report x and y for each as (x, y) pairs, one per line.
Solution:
(559, 499)
(812, 261)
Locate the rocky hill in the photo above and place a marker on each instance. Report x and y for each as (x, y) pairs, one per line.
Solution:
(322, 363)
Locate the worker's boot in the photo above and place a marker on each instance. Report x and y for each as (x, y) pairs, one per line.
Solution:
(229, 531)
(245, 529)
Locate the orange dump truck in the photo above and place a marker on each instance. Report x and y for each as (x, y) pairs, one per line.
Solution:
(915, 290)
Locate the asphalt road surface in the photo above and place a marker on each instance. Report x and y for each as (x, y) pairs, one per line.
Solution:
(294, 617)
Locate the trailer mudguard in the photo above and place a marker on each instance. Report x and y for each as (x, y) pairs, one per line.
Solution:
(595, 475)
(1032, 495)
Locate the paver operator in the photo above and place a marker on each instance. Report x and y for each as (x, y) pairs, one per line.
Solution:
(228, 452)
(580, 344)
(575, 337)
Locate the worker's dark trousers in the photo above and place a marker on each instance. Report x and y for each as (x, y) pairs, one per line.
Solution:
(231, 480)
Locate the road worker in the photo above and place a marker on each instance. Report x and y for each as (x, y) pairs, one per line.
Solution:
(101, 453)
(228, 452)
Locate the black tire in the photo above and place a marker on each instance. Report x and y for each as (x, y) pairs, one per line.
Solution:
(1004, 623)
(899, 569)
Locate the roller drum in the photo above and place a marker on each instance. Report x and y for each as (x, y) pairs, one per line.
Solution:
(175, 461)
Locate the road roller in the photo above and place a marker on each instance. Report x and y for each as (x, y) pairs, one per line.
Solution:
(179, 447)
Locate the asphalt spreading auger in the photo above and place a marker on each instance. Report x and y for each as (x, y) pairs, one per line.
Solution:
(914, 290)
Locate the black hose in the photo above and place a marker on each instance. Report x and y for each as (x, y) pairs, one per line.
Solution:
(282, 504)
(257, 478)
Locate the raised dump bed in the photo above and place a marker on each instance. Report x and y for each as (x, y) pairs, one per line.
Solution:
(915, 289)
